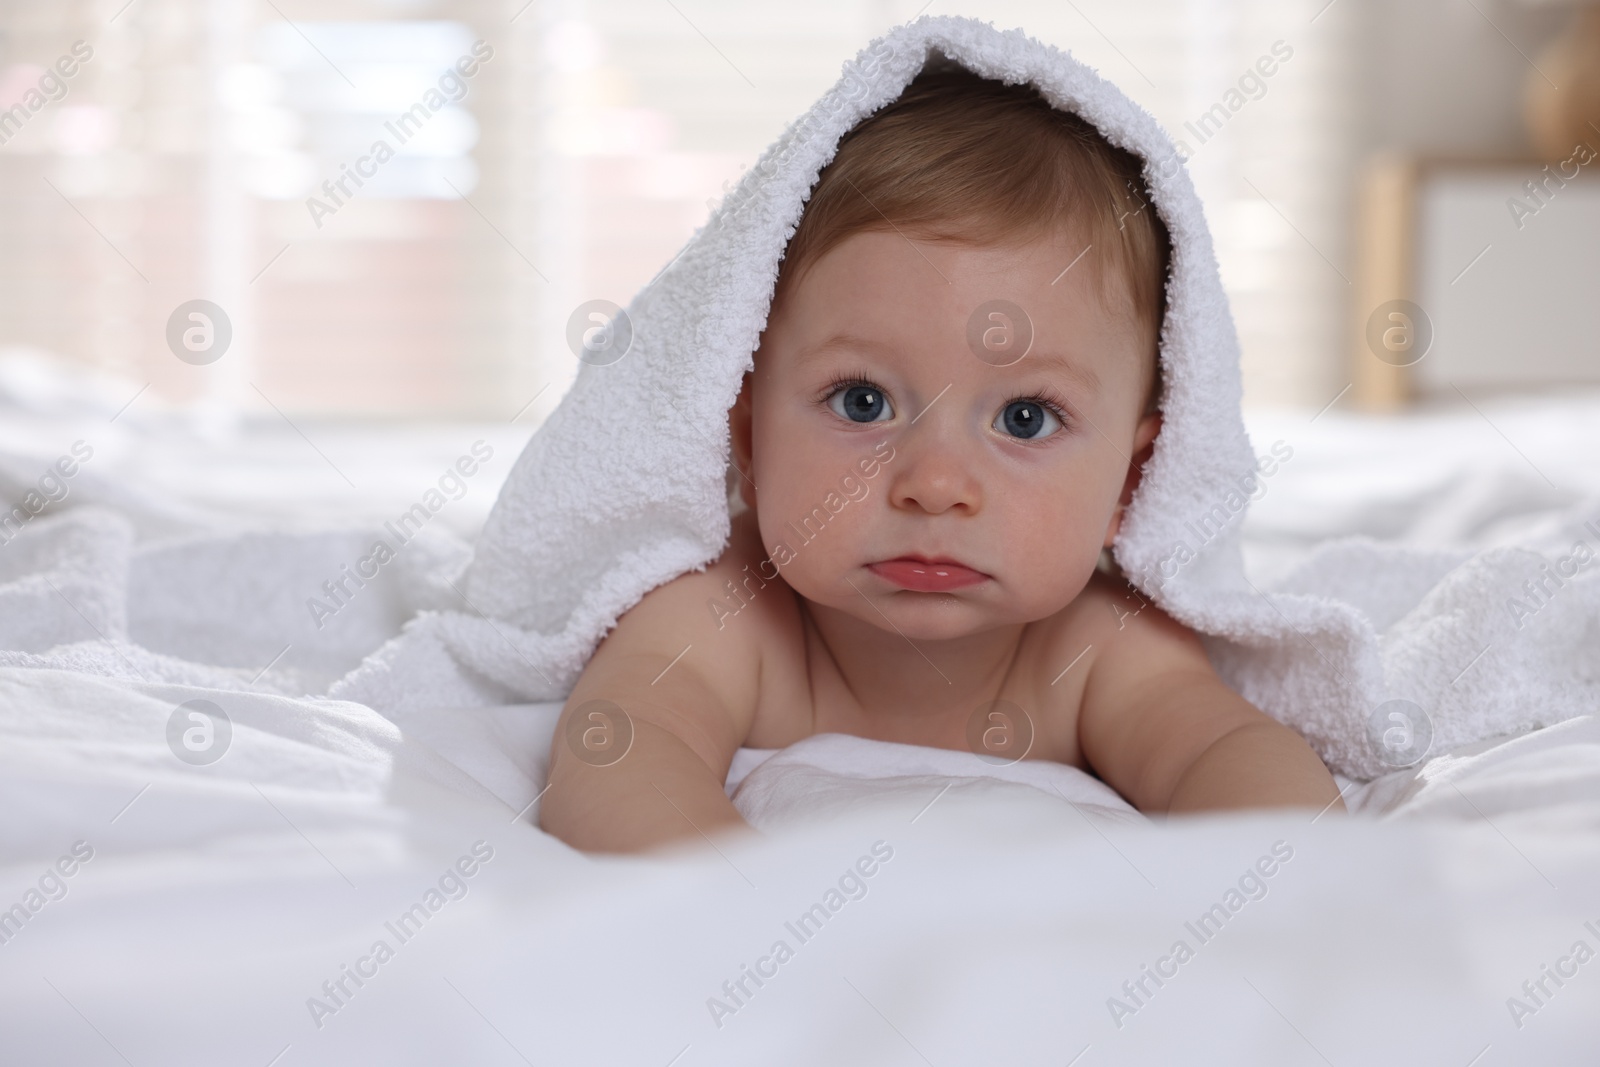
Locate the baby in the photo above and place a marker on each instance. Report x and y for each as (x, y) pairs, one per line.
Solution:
(953, 397)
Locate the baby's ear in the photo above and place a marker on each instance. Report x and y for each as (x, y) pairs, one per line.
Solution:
(1144, 446)
(739, 433)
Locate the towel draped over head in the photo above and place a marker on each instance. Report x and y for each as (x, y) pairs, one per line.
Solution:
(624, 487)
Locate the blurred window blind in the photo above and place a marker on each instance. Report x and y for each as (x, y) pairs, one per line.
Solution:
(216, 149)
(180, 159)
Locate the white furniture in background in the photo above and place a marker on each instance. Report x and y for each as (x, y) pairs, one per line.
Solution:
(1502, 258)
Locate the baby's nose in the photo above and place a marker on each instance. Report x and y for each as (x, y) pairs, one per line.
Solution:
(934, 471)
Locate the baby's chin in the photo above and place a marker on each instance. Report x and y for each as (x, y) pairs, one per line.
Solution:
(946, 616)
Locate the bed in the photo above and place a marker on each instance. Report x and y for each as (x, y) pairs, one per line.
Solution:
(336, 886)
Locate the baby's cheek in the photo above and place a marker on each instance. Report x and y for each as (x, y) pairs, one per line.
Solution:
(818, 557)
(1051, 559)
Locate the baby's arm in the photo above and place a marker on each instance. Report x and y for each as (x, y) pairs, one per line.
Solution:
(1164, 731)
(687, 723)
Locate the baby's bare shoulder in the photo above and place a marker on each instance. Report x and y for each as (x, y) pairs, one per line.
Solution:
(1152, 703)
(1106, 610)
(721, 612)
(687, 686)
(689, 654)
(1108, 635)
(744, 594)
(1131, 634)
(755, 615)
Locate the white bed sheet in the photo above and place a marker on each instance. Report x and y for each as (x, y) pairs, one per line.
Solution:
(219, 898)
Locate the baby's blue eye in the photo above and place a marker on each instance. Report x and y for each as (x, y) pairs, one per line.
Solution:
(1027, 419)
(861, 403)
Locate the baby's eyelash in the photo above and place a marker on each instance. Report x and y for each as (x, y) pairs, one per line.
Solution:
(1046, 397)
(842, 380)
(1051, 400)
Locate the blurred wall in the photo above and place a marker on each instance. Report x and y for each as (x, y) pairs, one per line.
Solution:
(1445, 77)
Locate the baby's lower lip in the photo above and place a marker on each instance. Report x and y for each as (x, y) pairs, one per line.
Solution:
(926, 577)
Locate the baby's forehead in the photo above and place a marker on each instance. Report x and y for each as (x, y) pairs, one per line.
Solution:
(1073, 243)
(879, 291)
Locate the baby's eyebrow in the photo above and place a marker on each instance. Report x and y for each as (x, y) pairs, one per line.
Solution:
(840, 340)
(1050, 361)
(1055, 361)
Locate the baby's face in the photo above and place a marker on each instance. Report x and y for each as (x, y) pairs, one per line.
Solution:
(1004, 481)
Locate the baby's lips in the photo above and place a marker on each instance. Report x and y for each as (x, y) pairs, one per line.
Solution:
(922, 576)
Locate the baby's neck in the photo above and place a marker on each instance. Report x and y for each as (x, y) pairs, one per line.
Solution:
(897, 680)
